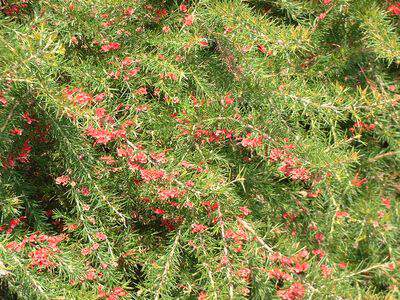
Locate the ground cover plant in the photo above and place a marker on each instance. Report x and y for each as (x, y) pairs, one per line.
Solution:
(205, 149)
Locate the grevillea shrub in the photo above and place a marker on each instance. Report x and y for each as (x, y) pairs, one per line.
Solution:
(199, 149)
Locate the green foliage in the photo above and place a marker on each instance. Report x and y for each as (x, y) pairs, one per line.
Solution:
(199, 149)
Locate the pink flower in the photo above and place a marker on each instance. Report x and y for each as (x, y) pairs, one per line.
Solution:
(3, 101)
(151, 174)
(197, 228)
(319, 237)
(386, 202)
(110, 46)
(279, 275)
(245, 210)
(326, 271)
(86, 251)
(295, 292)
(63, 180)
(341, 214)
(300, 174)
(169, 194)
(300, 268)
(85, 191)
(188, 20)
(183, 8)
(141, 91)
(244, 273)
(276, 154)
(101, 236)
(228, 99)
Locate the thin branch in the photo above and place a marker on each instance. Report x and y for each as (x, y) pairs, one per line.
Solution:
(167, 265)
(228, 273)
(387, 154)
(252, 231)
(9, 116)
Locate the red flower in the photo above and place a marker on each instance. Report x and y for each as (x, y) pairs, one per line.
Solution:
(119, 292)
(386, 202)
(341, 214)
(28, 118)
(149, 175)
(228, 99)
(319, 237)
(196, 228)
(100, 292)
(159, 211)
(203, 43)
(279, 275)
(295, 292)
(169, 194)
(188, 20)
(245, 210)
(244, 273)
(62, 180)
(262, 48)
(3, 101)
(358, 182)
(110, 46)
(394, 9)
(141, 91)
(322, 16)
(326, 271)
(102, 136)
(326, 2)
(85, 191)
(16, 131)
(101, 236)
(86, 251)
(40, 258)
(252, 143)
(91, 275)
(183, 8)
(300, 174)
(300, 268)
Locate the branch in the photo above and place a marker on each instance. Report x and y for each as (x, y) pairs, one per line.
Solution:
(167, 265)
(228, 273)
(387, 154)
(259, 239)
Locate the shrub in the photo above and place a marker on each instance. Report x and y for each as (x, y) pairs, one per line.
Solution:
(199, 149)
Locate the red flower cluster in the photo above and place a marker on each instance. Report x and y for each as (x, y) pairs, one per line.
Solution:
(41, 258)
(394, 9)
(110, 46)
(198, 228)
(295, 292)
(290, 165)
(13, 223)
(362, 126)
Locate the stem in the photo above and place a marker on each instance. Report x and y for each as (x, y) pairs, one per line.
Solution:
(167, 265)
(252, 231)
(228, 273)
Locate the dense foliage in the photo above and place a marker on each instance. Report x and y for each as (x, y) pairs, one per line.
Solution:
(205, 149)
